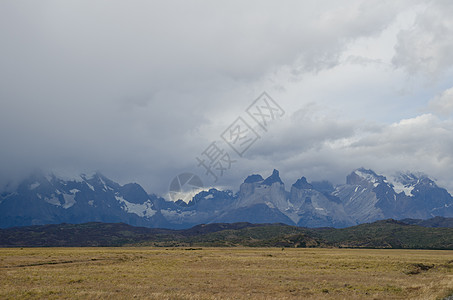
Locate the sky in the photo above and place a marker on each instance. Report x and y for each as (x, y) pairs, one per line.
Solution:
(138, 90)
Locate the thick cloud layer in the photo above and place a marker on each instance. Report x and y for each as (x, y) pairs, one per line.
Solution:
(139, 89)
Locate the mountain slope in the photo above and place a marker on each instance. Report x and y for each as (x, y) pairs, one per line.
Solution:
(389, 234)
(433, 222)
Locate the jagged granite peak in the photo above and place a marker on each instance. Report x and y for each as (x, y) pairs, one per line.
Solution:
(316, 208)
(263, 192)
(103, 181)
(302, 184)
(411, 178)
(181, 203)
(406, 182)
(275, 177)
(253, 178)
(367, 196)
(362, 176)
(207, 196)
(134, 193)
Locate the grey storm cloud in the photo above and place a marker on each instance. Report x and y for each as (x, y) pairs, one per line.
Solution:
(138, 89)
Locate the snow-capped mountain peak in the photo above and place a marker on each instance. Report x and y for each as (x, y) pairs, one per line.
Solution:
(408, 181)
(363, 176)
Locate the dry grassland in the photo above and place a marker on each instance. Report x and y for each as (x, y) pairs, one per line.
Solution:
(224, 273)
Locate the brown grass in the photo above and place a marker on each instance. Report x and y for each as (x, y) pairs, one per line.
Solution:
(224, 273)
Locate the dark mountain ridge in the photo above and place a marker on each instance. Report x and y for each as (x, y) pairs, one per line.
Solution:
(365, 197)
(380, 234)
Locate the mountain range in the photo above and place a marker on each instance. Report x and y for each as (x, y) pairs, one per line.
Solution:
(365, 197)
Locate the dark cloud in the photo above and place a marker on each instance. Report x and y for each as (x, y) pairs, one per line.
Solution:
(138, 89)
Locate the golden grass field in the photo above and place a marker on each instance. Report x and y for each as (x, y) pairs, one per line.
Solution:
(224, 273)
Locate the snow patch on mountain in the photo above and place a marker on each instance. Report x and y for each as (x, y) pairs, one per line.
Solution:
(366, 176)
(407, 181)
(49, 177)
(69, 200)
(178, 216)
(90, 186)
(141, 210)
(34, 185)
(53, 200)
(269, 204)
(88, 176)
(399, 188)
(103, 184)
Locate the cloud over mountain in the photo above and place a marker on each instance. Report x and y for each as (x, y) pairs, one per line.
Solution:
(138, 89)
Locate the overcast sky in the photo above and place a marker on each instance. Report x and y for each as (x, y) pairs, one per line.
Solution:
(139, 89)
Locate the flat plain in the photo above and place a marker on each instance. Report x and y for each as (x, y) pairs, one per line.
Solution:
(224, 273)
